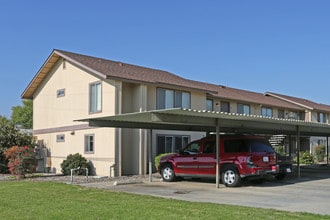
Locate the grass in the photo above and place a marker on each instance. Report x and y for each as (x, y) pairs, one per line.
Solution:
(50, 200)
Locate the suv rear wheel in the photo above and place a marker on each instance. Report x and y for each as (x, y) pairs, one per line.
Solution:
(230, 176)
(167, 173)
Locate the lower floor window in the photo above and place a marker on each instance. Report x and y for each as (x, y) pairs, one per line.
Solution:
(89, 143)
(171, 143)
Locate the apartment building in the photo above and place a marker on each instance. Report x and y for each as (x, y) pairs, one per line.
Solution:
(71, 86)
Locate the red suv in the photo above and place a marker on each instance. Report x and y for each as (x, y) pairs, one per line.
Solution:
(241, 156)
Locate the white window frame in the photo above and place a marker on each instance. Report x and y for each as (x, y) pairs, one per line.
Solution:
(267, 112)
(60, 138)
(170, 144)
(244, 107)
(89, 143)
(60, 93)
(209, 104)
(95, 97)
(167, 98)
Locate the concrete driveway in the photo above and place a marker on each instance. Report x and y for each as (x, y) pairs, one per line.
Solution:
(310, 193)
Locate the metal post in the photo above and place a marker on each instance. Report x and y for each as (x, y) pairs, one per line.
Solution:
(150, 156)
(298, 149)
(86, 174)
(217, 144)
(327, 150)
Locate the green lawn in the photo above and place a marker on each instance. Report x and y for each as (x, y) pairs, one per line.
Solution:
(50, 200)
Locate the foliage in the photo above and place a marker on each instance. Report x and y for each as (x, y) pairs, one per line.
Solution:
(159, 157)
(280, 150)
(319, 152)
(23, 115)
(305, 158)
(69, 201)
(11, 136)
(74, 161)
(21, 160)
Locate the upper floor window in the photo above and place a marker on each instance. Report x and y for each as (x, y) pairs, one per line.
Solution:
(167, 98)
(243, 109)
(293, 115)
(268, 112)
(224, 107)
(209, 104)
(95, 97)
(60, 93)
(280, 113)
(321, 117)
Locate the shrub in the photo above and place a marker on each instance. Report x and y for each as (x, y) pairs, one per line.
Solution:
(158, 157)
(74, 161)
(21, 160)
(319, 152)
(305, 158)
(280, 150)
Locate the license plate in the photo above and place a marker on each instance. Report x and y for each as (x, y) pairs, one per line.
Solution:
(288, 170)
(265, 159)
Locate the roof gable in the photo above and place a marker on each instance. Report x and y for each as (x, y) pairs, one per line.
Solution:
(300, 102)
(115, 70)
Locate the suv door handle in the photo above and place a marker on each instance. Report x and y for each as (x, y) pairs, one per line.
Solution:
(194, 158)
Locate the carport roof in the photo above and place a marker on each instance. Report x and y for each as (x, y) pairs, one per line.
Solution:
(201, 120)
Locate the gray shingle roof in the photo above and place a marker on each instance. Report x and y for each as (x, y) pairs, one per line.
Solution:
(105, 68)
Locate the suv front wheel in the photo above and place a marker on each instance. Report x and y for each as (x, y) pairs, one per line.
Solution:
(230, 176)
(167, 173)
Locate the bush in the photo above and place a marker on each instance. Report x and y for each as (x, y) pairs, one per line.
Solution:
(21, 160)
(319, 152)
(280, 150)
(74, 161)
(158, 157)
(305, 158)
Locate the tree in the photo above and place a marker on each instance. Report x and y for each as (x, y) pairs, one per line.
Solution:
(11, 136)
(23, 115)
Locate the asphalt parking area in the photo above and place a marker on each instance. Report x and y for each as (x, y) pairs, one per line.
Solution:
(309, 193)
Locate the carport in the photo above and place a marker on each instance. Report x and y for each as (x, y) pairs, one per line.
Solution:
(211, 121)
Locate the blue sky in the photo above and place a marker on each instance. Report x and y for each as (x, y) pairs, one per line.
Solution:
(279, 46)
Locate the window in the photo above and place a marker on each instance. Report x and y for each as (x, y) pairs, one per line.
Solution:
(243, 109)
(172, 99)
(209, 104)
(268, 112)
(60, 93)
(224, 107)
(171, 143)
(193, 148)
(321, 117)
(95, 97)
(60, 138)
(89, 143)
(209, 147)
(235, 146)
(280, 113)
(293, 115)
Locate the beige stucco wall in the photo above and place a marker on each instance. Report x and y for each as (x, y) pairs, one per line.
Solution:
(53, 115)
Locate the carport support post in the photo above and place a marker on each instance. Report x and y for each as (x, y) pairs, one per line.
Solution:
(150, 156)
(217, 140)
(327, 150)
(298, 149)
